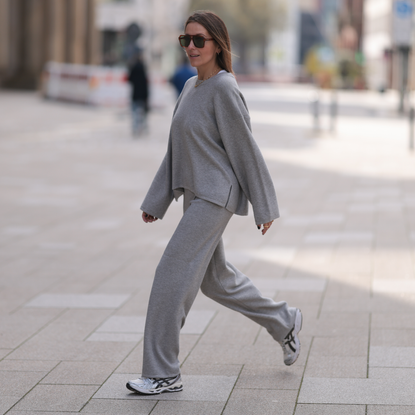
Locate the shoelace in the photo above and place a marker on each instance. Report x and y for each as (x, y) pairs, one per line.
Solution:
(289, 339)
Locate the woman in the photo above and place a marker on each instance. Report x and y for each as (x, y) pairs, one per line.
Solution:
(213, 160)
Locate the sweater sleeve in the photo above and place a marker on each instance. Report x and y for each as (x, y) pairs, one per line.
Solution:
(234, 126)
(160, 195)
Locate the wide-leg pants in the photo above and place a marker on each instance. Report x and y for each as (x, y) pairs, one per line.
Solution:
(195, 258)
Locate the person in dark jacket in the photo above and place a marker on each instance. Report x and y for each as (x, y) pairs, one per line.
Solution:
(181, 75)
(139, 95)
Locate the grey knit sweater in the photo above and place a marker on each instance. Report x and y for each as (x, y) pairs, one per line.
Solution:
(211, 152)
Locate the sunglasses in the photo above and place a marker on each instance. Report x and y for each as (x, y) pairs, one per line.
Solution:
(198, 41)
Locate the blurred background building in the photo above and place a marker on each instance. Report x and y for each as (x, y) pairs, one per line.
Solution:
(157, 25)
(33, 32)
(342, 43)
(383, 62)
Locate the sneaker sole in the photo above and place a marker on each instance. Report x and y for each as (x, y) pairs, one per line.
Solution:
(298, 325)
(178, 388)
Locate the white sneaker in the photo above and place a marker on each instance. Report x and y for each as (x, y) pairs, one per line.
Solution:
(291, 344)
(154, 386)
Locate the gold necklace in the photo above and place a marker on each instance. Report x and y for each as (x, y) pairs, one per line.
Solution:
(200, 81)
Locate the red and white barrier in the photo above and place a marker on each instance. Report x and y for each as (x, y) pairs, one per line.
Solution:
(100, 85)
(86, 84)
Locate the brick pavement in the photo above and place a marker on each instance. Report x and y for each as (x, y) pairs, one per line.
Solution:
(76, 264)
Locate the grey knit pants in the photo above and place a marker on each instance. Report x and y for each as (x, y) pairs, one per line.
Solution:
(193, 259)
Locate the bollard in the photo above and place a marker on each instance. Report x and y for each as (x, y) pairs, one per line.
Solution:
(333, 112)
(411, 128)
(316, 113)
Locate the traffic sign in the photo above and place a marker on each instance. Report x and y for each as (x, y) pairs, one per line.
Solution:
(402, 25)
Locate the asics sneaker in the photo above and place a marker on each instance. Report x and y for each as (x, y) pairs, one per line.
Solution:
(291, 344)
(154, 386)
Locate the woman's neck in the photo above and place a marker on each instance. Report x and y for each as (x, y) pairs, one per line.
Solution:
(206, 73)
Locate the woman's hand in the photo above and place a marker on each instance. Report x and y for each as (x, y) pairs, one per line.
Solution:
(265, 228)
(148, 218)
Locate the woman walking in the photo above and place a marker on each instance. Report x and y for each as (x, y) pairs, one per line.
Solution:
(214, 162)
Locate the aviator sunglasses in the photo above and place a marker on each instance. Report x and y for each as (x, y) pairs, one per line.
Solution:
(198, 40)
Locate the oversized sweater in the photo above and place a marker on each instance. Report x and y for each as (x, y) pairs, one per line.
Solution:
(211, 152)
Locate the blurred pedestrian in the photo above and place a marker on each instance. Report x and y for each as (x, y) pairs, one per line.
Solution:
(214, 162)
(139, 95)
(183, 72)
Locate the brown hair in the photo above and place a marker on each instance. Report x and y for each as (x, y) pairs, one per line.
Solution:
(217, 29)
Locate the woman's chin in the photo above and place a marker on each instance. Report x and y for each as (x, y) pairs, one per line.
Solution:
(194, 63)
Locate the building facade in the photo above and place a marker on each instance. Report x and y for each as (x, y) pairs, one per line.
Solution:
(33, 32)
(383, 57)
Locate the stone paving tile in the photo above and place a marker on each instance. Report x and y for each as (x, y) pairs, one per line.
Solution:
(133, 362)
(78, 301)
(392, 356)
(7, 402)
(84, 315)
(238, 258)
(4, 352)
(357, 391)
(336, 367)
(400, 304)
(260, 269)
(115, 337)
(66, 331)
(218, 353)
(303, 409)
(340, 346)
(187, 343)
(119, 407)
(28, 365)
(340, 289)
(40, 413)
(340, 321)
(333, 237)
(44, 398)
(137, 304)
(346, 305)
(389, 410)
(387, 337)
(197, 321)
(123, 324)
(275, 254)
(53, 349)
(265, 377)
(321, 331)
(391, 372)
(258, 401)
(300, 299)
(230, 327)
(25, 381)
(211, 370)
(104, 224)
(393, 286)
(393, 321)
(16, 329)
(195, 388)
(188, 408)
(80, 373)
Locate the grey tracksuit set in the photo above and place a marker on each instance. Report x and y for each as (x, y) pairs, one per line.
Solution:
(213, 159)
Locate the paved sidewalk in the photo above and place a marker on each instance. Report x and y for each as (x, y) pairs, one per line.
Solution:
(76, 264)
